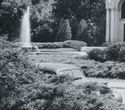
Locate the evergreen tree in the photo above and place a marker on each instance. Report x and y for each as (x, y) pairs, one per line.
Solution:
(92, 11)
(64, 32)
(80, 28)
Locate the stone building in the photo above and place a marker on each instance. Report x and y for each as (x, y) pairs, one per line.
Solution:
(115, 18)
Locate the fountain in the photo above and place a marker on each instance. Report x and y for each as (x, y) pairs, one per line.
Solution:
(25, 36)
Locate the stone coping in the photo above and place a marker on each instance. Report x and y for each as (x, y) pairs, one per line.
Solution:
(88, 49)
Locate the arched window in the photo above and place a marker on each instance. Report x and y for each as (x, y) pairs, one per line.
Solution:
(123, 10)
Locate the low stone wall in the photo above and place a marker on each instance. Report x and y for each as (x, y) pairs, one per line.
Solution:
(88, 49)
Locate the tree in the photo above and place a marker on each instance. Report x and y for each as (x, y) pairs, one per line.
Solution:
(78, 29)
(64, 32)
(11, 12)
(92, 11)
(79, 9)
(41, 22)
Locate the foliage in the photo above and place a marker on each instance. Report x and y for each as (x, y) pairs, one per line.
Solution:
(24, 89)
(93, 34)
(78, 27)
(74, 44)
(11, 12)
(42, 23)
(104, 70)
(54, 94)
(113, 52)
(64, 32)
(80, 9)
(121, 57)
(93, 12)
(46, 26)
(66, 44)
(50, 45)
(91, 68)
(10, 16)
(97, 55)
(14, 71)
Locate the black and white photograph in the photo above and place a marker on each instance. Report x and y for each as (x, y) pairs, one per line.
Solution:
(62, 54)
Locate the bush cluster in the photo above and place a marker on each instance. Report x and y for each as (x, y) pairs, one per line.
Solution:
(109, 69)
(50, 45)
(114, 52)
(66, 44)
(55, 94)
(74, 44)
(97, 55)
(23, 89)
(122, 55)
(14, 71)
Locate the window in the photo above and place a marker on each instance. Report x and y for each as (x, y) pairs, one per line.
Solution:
(66, 72)
(77, 73)
(48, 75)
(123, 10)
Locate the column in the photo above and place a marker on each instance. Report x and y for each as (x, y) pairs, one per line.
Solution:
(108, 25)
(112, 36)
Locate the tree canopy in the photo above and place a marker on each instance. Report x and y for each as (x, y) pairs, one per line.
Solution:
(47, 14)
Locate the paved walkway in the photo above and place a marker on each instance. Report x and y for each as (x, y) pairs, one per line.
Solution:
(115, 84)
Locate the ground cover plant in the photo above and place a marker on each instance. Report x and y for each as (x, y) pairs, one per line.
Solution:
(22, 88)
(91, 68)
(14, 71)
(114, 52)
(58, 93)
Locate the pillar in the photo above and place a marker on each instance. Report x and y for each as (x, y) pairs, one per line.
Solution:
(113, 33)
(108, 25)
(112, 25)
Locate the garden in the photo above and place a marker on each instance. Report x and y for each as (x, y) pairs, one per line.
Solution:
(58, 29)
(24, 89)
(106, 63)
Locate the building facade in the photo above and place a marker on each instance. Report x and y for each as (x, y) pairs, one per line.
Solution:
(115, 18)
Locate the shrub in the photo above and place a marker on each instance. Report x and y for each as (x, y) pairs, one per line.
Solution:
(64, 32)
(74, 44)
(42, 95)
(113, 52)
(122, 55)
(66, 44)
(97, 55)
(107, 69)
(26, 90)
(14, 71)
(50, 45)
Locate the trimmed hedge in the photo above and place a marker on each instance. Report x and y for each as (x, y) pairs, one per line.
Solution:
(50, 45)
(74, 44)
(66, 44)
